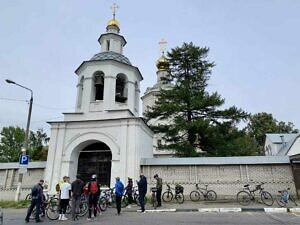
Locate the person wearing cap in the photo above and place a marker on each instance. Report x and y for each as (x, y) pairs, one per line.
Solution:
(142, 186)
(119, 190)
(159, 189)
(129, 189)
(36, 199)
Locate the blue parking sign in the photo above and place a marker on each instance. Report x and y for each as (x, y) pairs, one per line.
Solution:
(24, 159)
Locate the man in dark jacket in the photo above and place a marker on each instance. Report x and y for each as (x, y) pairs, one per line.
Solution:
(142, 186)
(36, 199)
(77, 189)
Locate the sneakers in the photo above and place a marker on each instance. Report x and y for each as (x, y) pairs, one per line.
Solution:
(64, 217)
(128, 207)
(89, 219)
(27, 220)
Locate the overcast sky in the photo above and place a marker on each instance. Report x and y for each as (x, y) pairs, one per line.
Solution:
(255, 45)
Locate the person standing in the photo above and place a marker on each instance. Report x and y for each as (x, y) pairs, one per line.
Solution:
(129, 189)
(64, 196)
(142, 187)
(119, 190)
(77, 189)
(36, 199)
(159, 189)
(93, 194)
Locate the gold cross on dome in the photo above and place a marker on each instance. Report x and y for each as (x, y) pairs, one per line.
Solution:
(162, 45)
(114, 8)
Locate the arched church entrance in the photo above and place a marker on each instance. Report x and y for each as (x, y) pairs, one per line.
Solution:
(95, 159)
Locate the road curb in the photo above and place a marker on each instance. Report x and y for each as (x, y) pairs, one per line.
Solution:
(275, 210)
(294, 210)
(160, 210)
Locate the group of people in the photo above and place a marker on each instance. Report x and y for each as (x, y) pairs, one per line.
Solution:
(66, 190)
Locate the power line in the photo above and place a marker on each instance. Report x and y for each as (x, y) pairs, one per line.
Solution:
(14, 100)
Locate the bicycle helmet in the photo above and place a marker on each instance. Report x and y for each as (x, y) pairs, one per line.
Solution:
(94, 176)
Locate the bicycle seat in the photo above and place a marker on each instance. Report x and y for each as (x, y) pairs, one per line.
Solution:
(246, 185)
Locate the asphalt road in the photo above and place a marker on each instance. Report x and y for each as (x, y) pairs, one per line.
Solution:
(16, 217)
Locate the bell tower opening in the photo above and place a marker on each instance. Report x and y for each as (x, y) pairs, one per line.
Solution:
(95, 159)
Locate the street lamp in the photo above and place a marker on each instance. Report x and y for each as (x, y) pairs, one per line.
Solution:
(26, 134)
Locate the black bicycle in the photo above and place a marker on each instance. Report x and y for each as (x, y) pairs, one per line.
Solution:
(178, 195)
(209, 195)
(285, 198)
(247, 195)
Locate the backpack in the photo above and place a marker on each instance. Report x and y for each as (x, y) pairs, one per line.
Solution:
(94, 187)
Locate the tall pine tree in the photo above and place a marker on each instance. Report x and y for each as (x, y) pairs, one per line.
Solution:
(189, 113)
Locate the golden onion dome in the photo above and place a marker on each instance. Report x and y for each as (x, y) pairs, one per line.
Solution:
(162, 63)
(113, 22)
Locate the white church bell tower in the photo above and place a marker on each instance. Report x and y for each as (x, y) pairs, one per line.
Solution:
(105, 135)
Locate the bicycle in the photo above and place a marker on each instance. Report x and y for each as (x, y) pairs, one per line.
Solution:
(153, 197)
(52, 210)
(209, 195)
(244, 197)
(168, 195)
(285, 198)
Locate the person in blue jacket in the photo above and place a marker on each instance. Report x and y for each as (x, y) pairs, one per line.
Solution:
(142, 186)
(119, 190)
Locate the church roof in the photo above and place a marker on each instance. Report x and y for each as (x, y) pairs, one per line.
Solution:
(113, 56)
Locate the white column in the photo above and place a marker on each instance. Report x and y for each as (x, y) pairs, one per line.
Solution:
(109, 92)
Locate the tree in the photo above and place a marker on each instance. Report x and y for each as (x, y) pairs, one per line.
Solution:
(262, 123)
(188, 111)
(12, 140)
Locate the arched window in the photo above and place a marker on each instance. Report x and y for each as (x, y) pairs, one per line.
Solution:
(121, 88)
(99, 85)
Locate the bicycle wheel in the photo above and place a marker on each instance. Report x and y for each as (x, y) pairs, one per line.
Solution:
(136, 200)
(33, 213)
(52, 211)
(153, 201)
(28, 197)
(243, 197)
(167, 196)
(211, 195)
(124, 201)
(280, 201)
(266, 198)
(291, 198)
(180, 198)
(83, 208)
(195, 196)
(102, 203)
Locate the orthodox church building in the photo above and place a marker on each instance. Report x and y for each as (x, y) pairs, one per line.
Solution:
(105, 135)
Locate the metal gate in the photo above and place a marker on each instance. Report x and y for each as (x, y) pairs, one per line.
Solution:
(296, 173)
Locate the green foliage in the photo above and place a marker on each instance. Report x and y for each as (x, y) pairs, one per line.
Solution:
(12, 140)
(190, 113)
(262, 123)
(13, 204)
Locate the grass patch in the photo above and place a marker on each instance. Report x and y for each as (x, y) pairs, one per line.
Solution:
(13, 204)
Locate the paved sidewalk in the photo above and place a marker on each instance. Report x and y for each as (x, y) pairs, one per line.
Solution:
(216, 206)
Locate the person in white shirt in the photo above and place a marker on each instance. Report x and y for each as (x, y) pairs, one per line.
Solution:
(64, 196)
